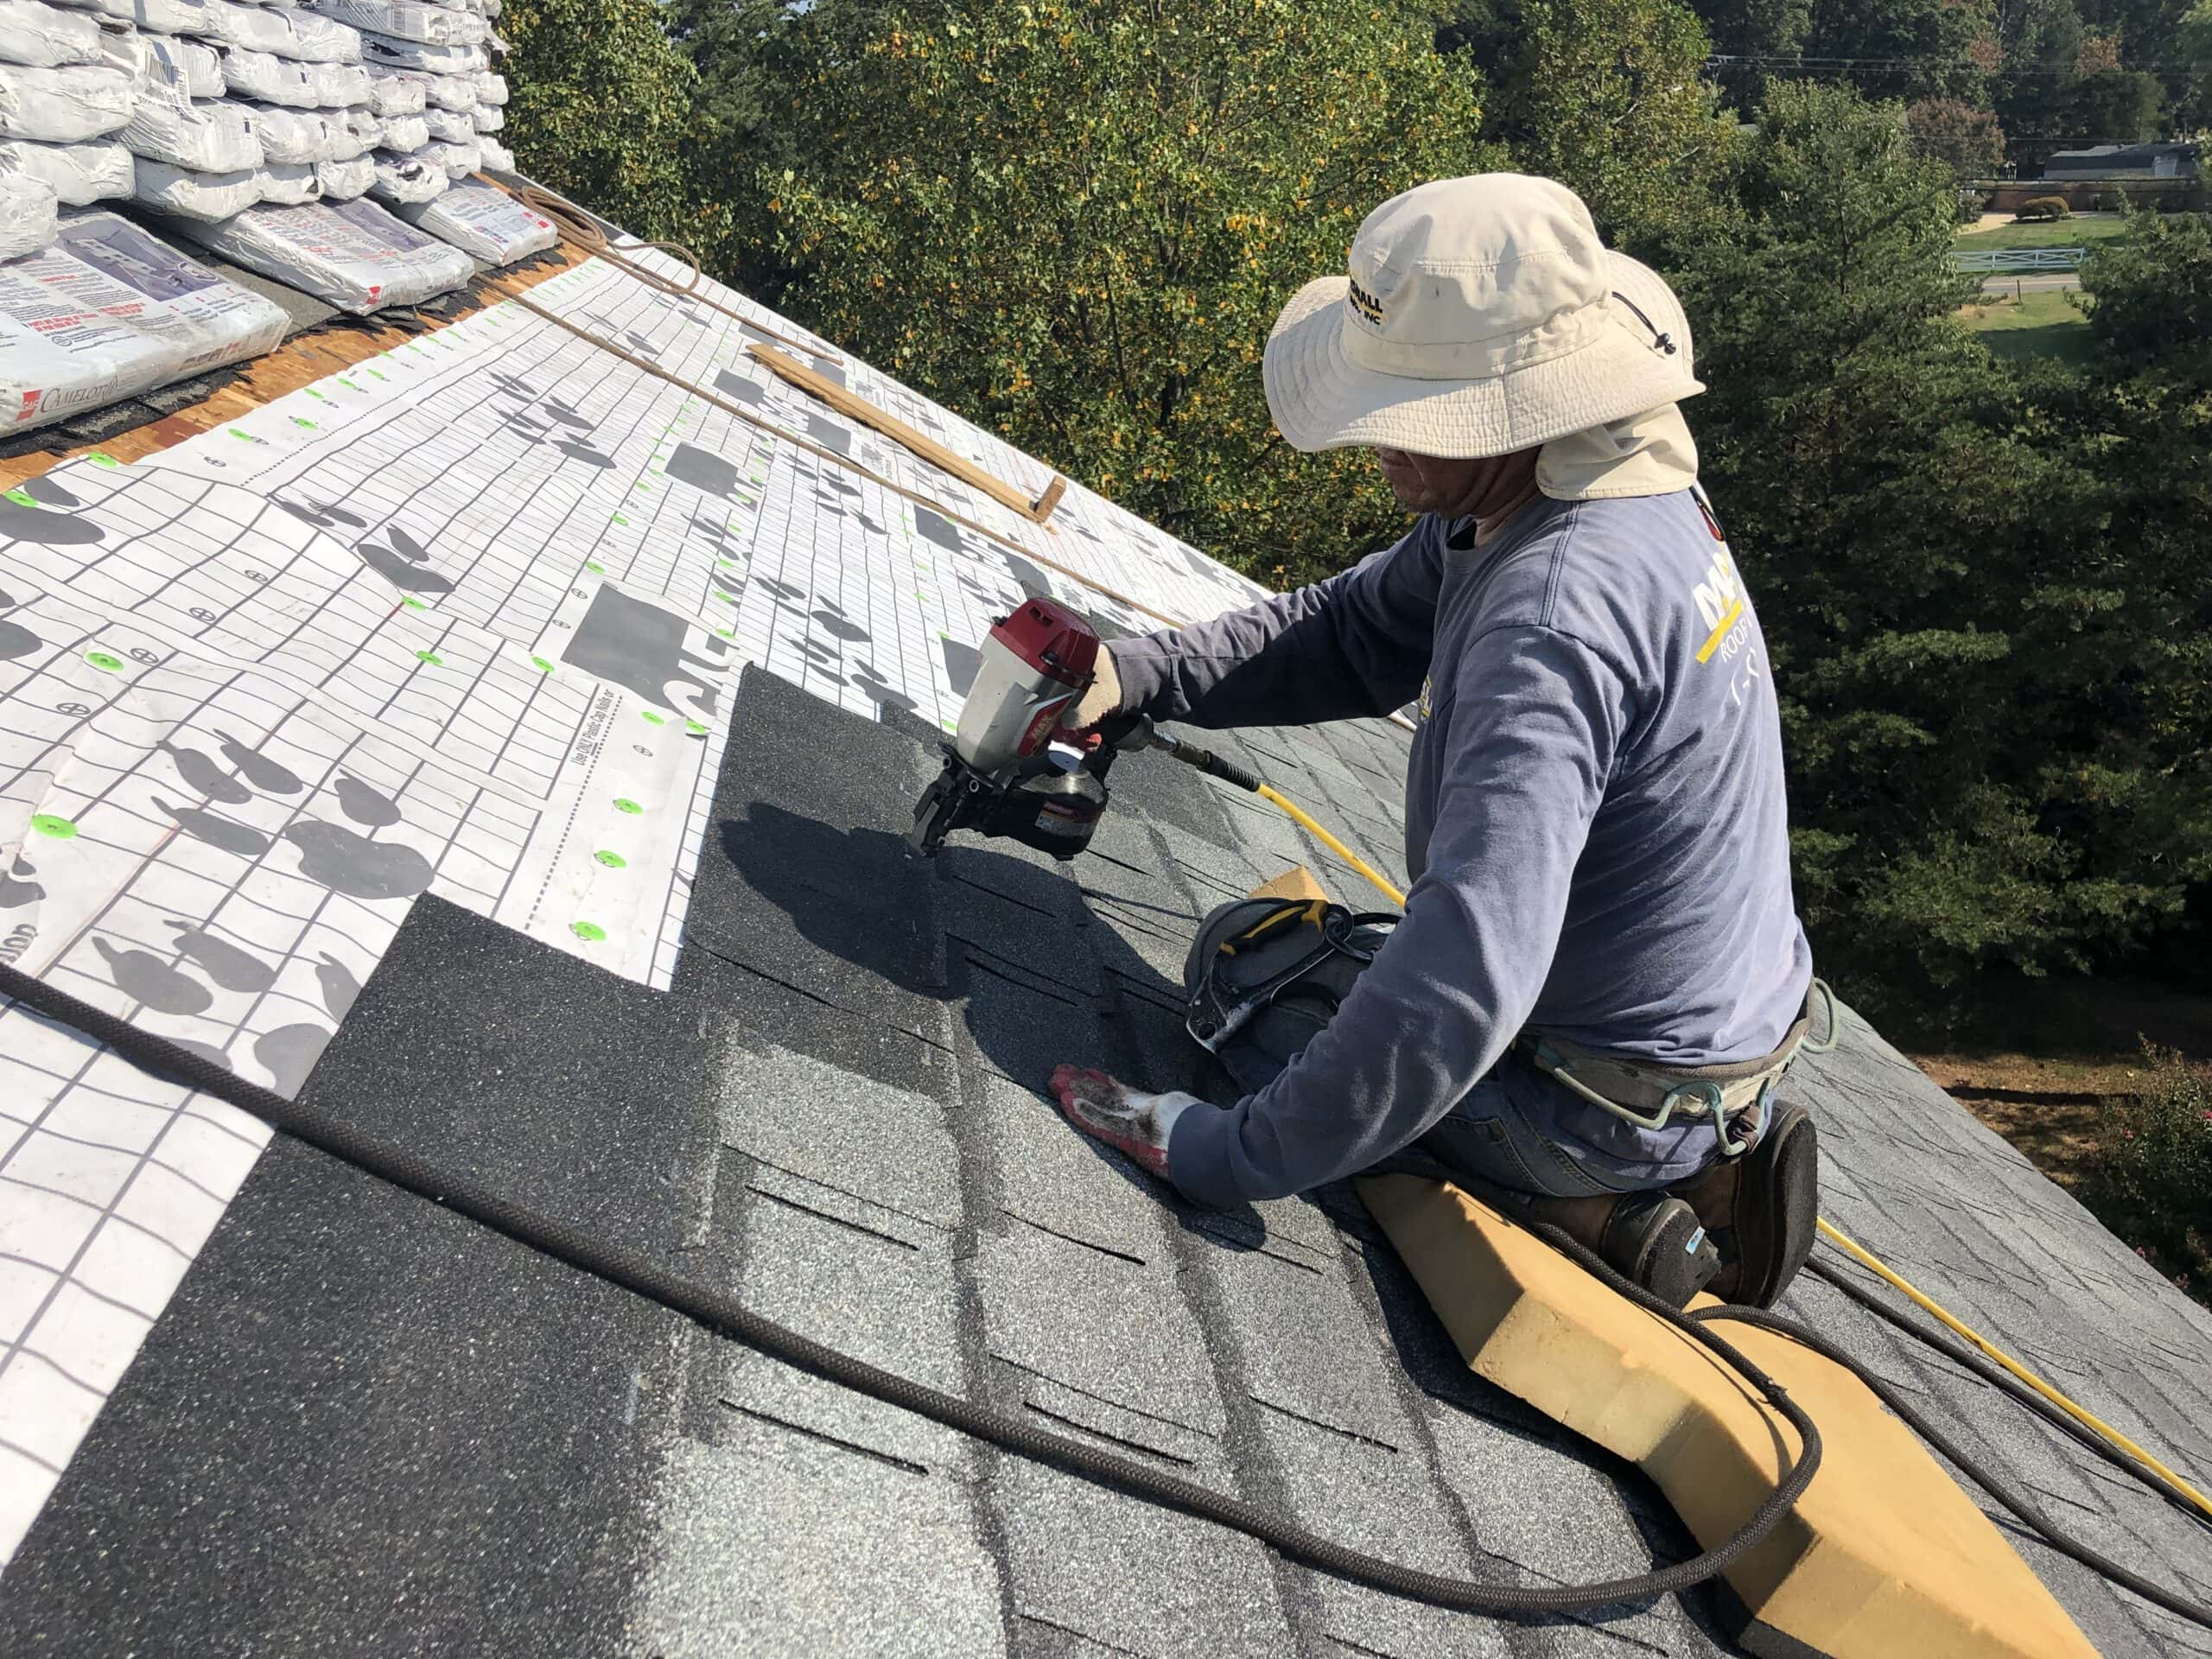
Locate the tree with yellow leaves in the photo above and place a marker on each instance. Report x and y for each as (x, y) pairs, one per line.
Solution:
(1075, 221)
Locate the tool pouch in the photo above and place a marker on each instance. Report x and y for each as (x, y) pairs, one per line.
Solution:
(1265, 975)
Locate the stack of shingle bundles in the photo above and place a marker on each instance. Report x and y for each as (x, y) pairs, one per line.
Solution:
(110, 311)
(311, 111)
(59, 100)
(444, 48)
(301, 77)
(352, 255)
(195, 152)
(490, 115)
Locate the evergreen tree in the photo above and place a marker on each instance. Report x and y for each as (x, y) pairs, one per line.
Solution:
(1909, 530)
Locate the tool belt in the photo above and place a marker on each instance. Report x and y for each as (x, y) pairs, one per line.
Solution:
(1651, 1095)
(1264, 975)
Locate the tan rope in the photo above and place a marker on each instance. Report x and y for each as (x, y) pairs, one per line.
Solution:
(577, 224)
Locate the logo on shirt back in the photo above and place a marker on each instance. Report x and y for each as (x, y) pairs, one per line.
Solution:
(1720, 601)
(1719, 596)
(1722, 605)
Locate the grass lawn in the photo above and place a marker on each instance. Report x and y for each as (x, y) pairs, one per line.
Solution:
(2043, 322)
(2077, 233)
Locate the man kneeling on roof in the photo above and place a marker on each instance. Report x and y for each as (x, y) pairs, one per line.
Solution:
(1600, 975)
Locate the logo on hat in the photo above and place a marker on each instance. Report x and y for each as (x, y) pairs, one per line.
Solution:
(1365, 304)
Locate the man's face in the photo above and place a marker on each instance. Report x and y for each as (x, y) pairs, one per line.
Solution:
(1425, 484)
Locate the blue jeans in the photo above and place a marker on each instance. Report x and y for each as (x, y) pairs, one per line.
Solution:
(1519, 1129)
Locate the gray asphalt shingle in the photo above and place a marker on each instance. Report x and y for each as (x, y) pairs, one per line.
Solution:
(839, 1113)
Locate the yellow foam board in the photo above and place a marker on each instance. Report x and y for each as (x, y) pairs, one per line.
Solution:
(1884, 1556)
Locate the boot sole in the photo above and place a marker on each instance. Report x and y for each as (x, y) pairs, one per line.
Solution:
(1667, 1251)
(1776, 1206)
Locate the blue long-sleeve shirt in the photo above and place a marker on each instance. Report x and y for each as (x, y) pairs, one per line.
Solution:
(1595, 822)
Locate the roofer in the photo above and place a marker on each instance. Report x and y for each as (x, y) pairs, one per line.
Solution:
(1600, 974)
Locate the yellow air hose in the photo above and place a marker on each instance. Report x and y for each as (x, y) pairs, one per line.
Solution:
(1865, 1257)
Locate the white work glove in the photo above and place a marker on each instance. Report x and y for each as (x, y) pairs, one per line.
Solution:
(1130, 1122)
(1101, 701)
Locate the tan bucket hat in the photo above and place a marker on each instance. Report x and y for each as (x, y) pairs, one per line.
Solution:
(1481, 316)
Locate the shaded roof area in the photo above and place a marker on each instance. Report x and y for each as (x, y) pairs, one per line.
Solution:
(364, 1426)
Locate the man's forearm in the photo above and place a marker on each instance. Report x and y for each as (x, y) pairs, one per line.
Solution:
(1355, 645)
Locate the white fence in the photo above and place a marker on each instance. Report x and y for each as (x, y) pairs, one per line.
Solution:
(2006, 261)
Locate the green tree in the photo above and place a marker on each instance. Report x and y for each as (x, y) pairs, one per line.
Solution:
(605, 111)
(1917, 543)
(2118, 106)
(1911, 48)
(1607, 97)
(2150, 292)
(1076, 220)
(1774, 30)
(1966, 141)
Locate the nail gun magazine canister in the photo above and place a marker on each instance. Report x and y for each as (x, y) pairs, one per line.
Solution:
(1033, 665)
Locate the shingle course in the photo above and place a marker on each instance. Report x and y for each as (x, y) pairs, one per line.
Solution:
(852, 1134)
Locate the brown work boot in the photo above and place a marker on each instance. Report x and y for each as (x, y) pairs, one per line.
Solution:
(1759, 1209)
(1650, 1239)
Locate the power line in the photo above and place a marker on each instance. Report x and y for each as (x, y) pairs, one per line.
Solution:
(1723, 60)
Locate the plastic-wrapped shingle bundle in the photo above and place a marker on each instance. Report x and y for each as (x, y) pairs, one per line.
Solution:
(403, 134)
(46, 37)
(448, 125)
(353, 255)
(485, 221)
(79, 175)
(493, 156)
(347, 180)
(298, 36)
(408, 20)
(459, 160)
(108, 312)
(64, 105)
(162, 17)
(393, 94)
(26, 215)
(296, 137)
(404, 179)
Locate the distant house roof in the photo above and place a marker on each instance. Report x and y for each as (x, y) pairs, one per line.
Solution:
(2114, 161)
(672, 978)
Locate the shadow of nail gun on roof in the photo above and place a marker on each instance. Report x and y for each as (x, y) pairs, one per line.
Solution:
(855, 895)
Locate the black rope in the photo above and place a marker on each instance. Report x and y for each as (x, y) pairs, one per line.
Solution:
(1990, 1371)
(722, 1313)
(2196, 1612)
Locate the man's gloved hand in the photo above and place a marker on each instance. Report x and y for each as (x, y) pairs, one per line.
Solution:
(1101, 701)
(1125, 1120)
